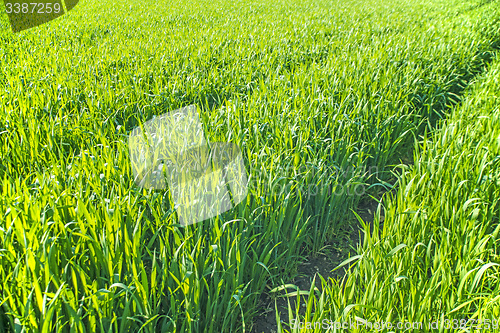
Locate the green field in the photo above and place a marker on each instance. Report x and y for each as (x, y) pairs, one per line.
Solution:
(333, 103)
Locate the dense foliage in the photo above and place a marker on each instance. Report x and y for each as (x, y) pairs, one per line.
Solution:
(316, 93)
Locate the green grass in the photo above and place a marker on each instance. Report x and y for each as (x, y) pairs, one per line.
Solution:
(435, 260)
(436, 257)
(314, 92)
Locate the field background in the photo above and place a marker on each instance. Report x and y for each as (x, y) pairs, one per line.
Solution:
(316, 93)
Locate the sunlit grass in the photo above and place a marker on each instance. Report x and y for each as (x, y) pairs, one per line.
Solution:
(314, 93)
(436, 259)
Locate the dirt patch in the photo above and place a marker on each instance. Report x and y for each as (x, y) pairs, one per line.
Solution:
(320, 264)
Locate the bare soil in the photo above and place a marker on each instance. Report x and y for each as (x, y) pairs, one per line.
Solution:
(318, 264)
